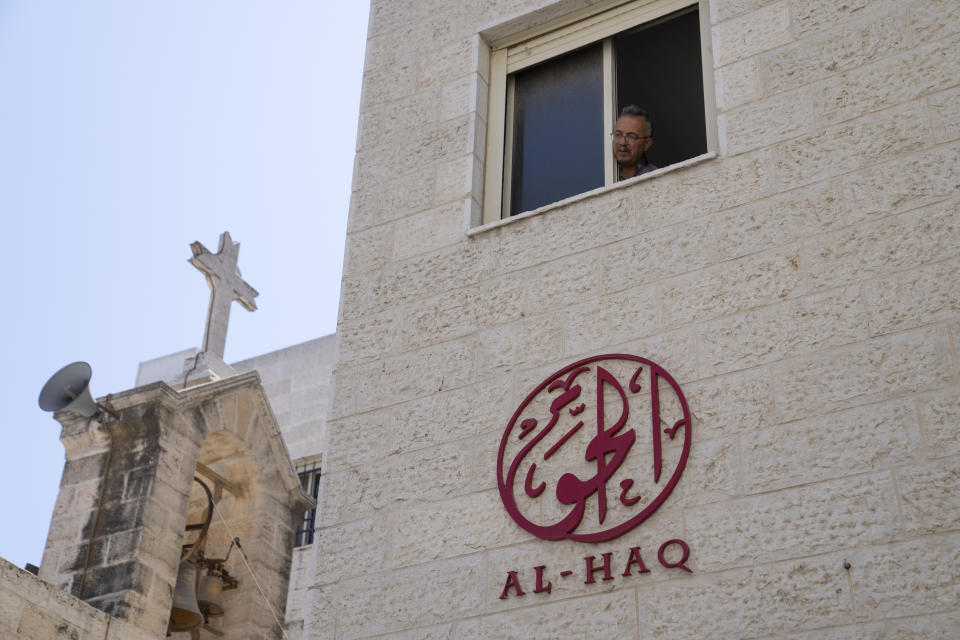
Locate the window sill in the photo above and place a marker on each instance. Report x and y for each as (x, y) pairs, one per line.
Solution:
(710, 155)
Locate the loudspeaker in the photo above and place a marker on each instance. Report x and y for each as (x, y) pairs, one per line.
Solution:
(69, 390)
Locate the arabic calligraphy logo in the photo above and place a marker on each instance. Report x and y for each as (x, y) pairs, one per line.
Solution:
(566, 472)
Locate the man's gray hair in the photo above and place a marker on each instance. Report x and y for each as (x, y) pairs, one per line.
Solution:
(634, 110)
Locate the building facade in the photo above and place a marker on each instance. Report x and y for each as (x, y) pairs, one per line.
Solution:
(789, 273)
(719, 399)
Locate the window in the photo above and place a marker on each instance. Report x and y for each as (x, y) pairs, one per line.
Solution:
(555, 95)
(309, 473)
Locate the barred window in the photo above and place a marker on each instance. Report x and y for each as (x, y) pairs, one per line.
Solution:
(309, 473)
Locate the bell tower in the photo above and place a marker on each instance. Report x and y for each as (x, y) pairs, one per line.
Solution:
(178, 504)
(166, 483)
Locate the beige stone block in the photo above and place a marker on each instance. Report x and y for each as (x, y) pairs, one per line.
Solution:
(368, 337)
(600, 323)
(77, 498)
(915, 298)
(763, 123)
(675, 351)
(712, 473)
(883, 247)
(387, 16)
(850, 632)
(920, 179)
(721, 11)
(447, 631)
(817, 15)
(864, 439)
(738, 83)
(407, 41)
(11, 607)
(940, 422)
(918, 577)
(457, 98)
(454, 179)
(852, 145)
(533, 341)
(349, 550)
(419, 596)
(888, 82)
(452, 528)
(416, 149)
(500, 300)
(405, 480)
(561, 283)
(779, 220)
(433, 273)
(688, 194)
(930, 496)
(446, 63)
(393, 380)
(38, 624)
(769, 600)
(393, 120)
(904, 363)
(817, 518)
(733, 286)
(927, 627)
(614, 614)
(384, 85)
(934, 19)
(428, 231)
(751, 33)
(734, 403)
(795, 327)
(822, 56)
(445, 317)
(418, 424)
(385, 200)
(654, 255)
(737, 180)
(945, 113)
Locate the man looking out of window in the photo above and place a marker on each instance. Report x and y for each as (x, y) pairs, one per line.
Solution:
(632, 137)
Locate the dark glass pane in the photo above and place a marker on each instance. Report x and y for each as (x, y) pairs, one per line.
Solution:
(659, 69)
(558, 129)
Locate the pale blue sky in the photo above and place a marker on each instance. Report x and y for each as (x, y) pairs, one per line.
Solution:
(129, 129)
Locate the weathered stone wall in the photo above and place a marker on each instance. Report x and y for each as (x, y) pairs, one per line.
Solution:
(32, 609)
(297, 381)
(802, 288)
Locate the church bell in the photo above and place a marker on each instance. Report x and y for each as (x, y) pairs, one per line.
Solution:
(186, 610)
(210, 594)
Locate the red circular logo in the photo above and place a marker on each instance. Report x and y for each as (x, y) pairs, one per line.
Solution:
(595, 449)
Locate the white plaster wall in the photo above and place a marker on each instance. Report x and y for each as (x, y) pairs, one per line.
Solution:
(802, 288)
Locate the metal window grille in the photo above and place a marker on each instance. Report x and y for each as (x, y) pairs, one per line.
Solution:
(309, 474)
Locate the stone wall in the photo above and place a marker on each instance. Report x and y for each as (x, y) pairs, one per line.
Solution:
(297, 381)
(31, 609)
(801, 288)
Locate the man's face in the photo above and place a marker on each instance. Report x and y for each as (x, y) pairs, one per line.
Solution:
(625, 150)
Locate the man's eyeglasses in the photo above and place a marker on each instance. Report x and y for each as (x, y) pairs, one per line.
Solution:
(629, 137)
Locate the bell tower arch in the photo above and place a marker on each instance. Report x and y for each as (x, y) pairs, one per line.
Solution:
(135, 486)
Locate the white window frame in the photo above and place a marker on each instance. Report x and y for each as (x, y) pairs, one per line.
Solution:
(554, 39)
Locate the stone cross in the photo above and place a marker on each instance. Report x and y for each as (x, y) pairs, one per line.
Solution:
(226, 285)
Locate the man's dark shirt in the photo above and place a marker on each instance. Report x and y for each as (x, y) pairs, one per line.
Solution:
(644, 166)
